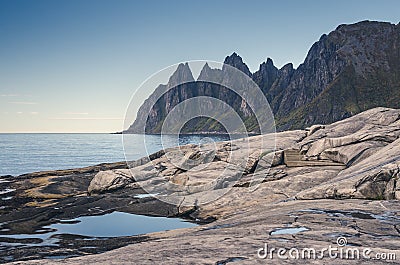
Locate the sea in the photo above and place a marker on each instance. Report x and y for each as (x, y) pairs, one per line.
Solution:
(25, 153)
(22, 153)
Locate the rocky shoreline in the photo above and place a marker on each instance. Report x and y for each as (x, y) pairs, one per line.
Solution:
(36, 200)
(313, 186)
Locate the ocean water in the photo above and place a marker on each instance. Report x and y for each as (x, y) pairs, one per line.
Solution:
(99, 226)
(25, 153)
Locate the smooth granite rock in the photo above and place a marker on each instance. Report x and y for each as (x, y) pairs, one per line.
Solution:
(109, 180)
(344, 184)
(367, 140)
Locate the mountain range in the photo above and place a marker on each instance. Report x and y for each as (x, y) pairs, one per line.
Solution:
(353, 68)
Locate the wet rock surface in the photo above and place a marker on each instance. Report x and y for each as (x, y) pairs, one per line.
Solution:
(33, 201)
(309, 204)
(238, 237)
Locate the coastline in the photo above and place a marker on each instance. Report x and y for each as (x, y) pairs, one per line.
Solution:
(306, 199)
(194, 133)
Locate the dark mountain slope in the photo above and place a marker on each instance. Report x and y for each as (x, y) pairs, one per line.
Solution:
(354, 68)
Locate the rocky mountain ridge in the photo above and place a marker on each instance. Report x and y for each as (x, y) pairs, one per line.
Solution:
(354, 68)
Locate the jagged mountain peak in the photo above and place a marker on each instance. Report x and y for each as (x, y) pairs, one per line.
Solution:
(182, 74)
(210, 75)
(287, 67)
(205, 70)
(236, 61)
(353, 68)
(266, 75)
(267, 64)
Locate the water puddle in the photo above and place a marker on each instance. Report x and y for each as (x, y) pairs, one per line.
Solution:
(118, 224)
(28, 240)
(60, 256)
(230, 260)
(6, 191)
(115, 224)
(289, 231)
(386, 217)
(146, 195)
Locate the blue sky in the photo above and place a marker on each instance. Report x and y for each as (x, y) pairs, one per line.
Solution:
(72, 66)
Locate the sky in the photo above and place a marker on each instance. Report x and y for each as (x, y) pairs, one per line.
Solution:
(73, 66)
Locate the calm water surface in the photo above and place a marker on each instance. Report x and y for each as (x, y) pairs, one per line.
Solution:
(113, 224)
(25, 153)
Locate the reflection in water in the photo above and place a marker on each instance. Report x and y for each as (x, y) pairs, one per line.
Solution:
(289, 231)
(114, 224)
(119, 224)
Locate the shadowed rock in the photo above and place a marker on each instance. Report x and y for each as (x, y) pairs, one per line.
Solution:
(302, 197)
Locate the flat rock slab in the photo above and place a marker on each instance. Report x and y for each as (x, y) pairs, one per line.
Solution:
(238, 237)
(352, 193)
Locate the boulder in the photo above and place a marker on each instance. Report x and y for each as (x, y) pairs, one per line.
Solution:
(314, 128)
(109, 180)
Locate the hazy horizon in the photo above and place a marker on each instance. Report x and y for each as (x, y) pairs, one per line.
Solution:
(72, 66)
